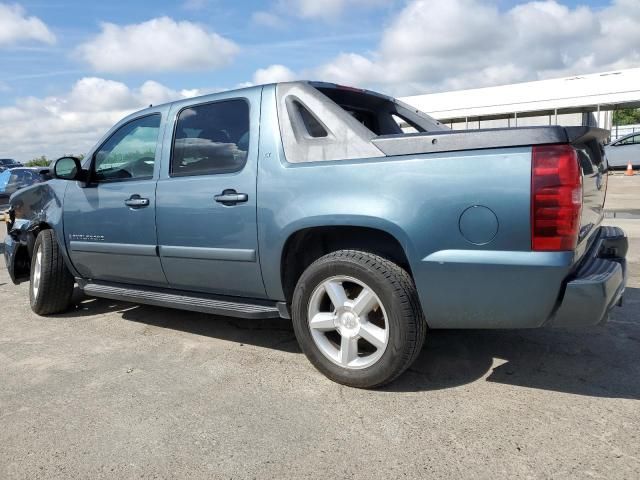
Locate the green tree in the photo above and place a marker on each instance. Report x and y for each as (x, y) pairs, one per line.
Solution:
(38, 162)
(626, 116)
(43, 161)
(78, 156)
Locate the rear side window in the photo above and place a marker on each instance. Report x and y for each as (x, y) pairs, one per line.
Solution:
(211, 138)
(311, 123)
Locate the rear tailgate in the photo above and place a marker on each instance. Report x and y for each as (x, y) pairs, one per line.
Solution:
(589, 143)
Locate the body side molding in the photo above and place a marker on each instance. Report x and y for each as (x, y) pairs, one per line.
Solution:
(200, 253)
(114, 248)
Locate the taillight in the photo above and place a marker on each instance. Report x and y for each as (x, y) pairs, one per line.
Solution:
(556, 198)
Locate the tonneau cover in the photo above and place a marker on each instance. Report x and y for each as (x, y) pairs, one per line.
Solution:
(452, 140)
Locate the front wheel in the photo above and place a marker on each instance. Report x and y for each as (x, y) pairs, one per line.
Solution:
(51, 282)
(357, 318)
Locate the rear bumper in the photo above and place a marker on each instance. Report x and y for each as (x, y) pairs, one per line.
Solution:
(597, 285)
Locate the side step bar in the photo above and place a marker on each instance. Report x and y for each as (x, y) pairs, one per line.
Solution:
(195, 302)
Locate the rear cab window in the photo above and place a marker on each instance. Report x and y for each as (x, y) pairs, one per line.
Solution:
(328, 122)
(381, 114)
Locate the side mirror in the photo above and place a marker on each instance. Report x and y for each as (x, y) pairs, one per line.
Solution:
(67, 168)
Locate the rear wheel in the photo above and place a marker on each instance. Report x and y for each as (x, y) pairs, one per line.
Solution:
(357, 318)
(51, 282)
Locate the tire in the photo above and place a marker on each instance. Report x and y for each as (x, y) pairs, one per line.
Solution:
(51, 284)
(387, 332)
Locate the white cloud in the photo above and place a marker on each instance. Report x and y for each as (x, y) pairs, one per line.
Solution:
(325, 9)
(74, 121)
(16, 26)
(452, 44)
(160, 44)
(273, 74)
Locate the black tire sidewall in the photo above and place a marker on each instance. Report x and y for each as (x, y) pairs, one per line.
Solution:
(56, 281)
(387, 366)
(38, 246)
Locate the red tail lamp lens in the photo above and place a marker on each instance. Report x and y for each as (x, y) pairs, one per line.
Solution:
(556, 198)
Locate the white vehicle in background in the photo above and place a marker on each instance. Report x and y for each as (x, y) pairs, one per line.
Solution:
(623, 151)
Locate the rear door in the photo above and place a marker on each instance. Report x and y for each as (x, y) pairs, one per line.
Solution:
(109, 225)
(206, 196)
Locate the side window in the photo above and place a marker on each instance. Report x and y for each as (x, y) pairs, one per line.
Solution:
(130, 152)
(21, 178)
(211, 138)
(630, 140)
(311, 124)
(13, 180)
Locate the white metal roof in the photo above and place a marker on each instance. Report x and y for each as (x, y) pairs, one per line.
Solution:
(621, 87)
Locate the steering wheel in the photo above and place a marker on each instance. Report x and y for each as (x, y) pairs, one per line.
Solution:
(140, 167)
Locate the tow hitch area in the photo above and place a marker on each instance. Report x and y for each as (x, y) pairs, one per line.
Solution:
(599, 283)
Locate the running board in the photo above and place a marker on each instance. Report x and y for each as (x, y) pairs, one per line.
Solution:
(195, 302)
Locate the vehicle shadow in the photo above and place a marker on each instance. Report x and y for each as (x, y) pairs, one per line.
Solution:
(270, 333)
(599, 361)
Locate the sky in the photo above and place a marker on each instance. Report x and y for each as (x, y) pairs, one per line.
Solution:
(70, 69)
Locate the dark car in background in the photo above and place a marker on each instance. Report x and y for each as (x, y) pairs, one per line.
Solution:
(7, 163)
(12, 180)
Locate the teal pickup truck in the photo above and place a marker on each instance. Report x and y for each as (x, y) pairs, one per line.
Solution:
(360, 218)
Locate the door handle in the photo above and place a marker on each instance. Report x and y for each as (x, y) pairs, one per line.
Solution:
(231, 197)
(136, 201)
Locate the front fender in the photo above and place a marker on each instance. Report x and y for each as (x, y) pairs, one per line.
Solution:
(32, 209)
(10, 250)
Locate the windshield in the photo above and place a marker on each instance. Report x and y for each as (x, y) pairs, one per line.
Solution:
(4, 179)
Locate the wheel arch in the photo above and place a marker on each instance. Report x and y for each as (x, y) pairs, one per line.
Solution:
(24, 241)
(36, 208)
(305, 245)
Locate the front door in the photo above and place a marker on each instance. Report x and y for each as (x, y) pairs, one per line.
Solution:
(206, 198)
(110, 224)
